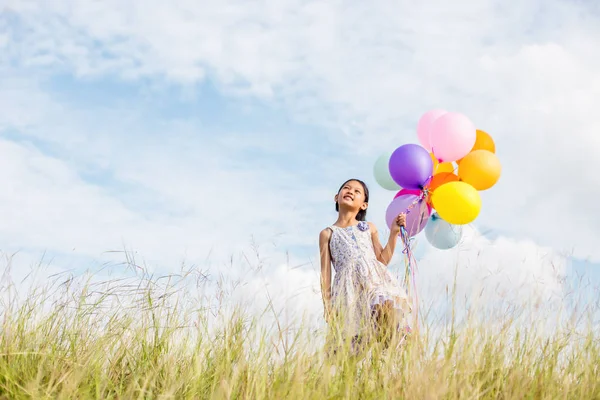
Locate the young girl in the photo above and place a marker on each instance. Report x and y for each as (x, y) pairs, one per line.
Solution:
(365, 298)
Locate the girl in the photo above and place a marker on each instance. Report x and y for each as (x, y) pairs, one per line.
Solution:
(364, 298)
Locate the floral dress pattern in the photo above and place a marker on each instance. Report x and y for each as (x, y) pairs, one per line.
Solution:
(361, 281)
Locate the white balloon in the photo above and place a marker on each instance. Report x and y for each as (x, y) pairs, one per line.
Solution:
(441, 234)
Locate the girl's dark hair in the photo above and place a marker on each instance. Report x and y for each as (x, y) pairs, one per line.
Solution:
(362, 214)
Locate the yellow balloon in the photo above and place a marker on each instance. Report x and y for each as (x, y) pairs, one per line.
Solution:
(481, 169)
(444, 167)
(457, 203)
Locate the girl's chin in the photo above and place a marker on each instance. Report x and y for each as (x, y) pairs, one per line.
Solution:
(348, 206)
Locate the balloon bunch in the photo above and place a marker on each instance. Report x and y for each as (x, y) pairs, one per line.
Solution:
(438, 182)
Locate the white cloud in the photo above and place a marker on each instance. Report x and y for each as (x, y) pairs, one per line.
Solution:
(166, 189)
(47, 205)
(44, 196)
(523, 72)
(515, 272)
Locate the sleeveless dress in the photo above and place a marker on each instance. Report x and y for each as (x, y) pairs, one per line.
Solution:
(361, 281)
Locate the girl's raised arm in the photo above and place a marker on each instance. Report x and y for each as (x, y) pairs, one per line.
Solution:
(324, 238)
(384, 255)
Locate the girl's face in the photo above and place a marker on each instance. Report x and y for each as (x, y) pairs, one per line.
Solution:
(352, 196)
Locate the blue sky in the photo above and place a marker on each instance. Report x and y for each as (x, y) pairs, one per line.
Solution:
(191, 131)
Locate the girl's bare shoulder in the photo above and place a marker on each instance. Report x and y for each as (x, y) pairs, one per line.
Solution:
(372, 227)
(325, 233)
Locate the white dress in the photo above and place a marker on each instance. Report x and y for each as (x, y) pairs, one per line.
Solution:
(361, 281)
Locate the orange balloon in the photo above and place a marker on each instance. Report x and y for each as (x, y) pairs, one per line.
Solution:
(444, 167)
(483, 142)
(441, 178)
(481, 169)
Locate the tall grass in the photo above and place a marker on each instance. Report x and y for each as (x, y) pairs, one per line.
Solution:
(162, 338)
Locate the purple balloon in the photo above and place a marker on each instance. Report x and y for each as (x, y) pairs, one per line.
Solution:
(416, 217)
(411, 166)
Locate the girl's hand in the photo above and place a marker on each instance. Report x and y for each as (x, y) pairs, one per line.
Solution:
(400, 222)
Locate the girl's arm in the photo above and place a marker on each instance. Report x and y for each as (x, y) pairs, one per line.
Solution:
(324, 238)
(384, 255)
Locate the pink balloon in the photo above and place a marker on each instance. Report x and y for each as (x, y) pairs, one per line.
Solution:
(452, 137)
(424, 126)
(415, 192)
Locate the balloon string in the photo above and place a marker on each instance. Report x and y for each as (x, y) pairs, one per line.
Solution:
(411, 262)
(410, 273)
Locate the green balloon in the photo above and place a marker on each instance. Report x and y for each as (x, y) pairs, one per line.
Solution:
(381, 171)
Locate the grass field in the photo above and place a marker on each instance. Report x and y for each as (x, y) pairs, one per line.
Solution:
(152, 338)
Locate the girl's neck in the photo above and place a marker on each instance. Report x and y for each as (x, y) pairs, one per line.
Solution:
(346, 219)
